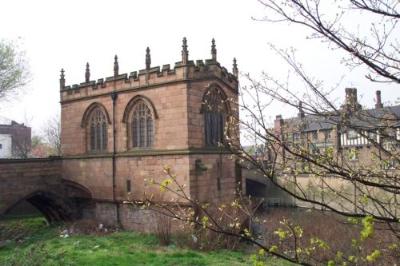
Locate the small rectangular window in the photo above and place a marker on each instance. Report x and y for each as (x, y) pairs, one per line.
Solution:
(352, 134)
(353, 154)
(388, 164)
(296, 137)
(371, 136)
(219, 169)
(1, 146)
(128, 186)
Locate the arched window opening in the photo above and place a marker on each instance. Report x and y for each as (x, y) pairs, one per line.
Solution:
(98, 131)
(142, 126)
(214, 117)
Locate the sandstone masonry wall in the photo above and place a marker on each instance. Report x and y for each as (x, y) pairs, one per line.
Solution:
(175, 97)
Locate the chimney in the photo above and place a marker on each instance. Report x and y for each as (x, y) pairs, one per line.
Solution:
(378, 104)
(348, 96)
(301, 111)
(278, 126)
(351, 103)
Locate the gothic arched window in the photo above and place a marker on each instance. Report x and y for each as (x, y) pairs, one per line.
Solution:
(214, 117)
(142, 125)
(98, 130)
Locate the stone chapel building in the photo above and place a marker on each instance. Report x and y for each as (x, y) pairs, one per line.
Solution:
(120, 131)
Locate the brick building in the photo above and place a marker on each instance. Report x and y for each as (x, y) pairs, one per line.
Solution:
(15, 139)
(352, 132)
(120, 131)
(325, 150)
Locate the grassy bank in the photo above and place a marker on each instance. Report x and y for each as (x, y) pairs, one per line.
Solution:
(32, 242)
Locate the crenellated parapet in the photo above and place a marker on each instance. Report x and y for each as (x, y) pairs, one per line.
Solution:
(183, 71)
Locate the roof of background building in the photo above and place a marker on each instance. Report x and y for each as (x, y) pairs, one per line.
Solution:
(4, 121)
(372, 118)
(369, 118)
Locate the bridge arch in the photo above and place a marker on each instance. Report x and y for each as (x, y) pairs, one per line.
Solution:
(52, 206)
(57, 202)
(39, 182)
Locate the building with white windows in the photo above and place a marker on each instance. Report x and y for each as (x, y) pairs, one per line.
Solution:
(352, 132)
(15, 139)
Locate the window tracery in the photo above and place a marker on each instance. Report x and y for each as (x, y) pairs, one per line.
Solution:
(214, 117)
(142, 126)
(98, 130)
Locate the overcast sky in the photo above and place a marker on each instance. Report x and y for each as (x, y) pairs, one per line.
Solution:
(67, 34)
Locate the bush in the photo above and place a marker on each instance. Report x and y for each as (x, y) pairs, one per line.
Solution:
(336, 236)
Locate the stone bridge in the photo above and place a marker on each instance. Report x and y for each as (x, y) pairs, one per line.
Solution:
(39, 182)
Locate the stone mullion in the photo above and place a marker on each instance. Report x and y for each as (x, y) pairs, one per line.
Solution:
(145, 130)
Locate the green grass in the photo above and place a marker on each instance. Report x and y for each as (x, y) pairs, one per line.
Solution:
(35, 243)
